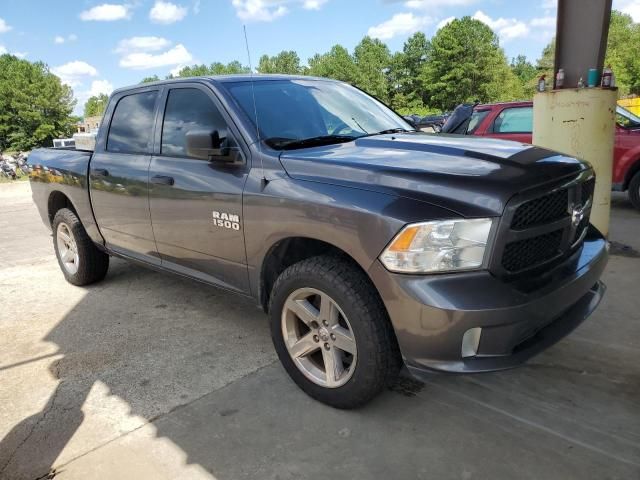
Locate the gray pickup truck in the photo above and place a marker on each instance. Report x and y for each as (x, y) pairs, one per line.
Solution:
(371, 246)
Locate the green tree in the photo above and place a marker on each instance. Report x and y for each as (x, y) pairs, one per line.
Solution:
(286, 62)
(35, 107)
(623, 52)
(216, 68)
(465, 64)
(526, 73)
(337, 64)
(96, 105)
(372, 59)
(405, 74)
(153, 78)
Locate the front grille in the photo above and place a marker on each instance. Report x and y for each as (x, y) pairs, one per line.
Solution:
(524, 253)
(541, 210)
(537, 231)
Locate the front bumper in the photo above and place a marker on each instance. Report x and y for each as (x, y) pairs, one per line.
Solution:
(432, 313)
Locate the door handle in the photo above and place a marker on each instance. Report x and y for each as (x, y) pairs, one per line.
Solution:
(162, 180)
(99, 172)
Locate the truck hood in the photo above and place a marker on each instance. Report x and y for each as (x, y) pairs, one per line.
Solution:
(471, 176)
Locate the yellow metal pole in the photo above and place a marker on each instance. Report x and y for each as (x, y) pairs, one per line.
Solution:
(581, 123)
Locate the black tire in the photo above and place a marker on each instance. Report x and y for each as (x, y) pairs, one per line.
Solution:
(634, 191)
(93, 263)
(378, 357)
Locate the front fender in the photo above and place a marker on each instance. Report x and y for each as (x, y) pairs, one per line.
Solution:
(359, 222)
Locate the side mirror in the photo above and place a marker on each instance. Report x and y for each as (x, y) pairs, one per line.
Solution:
(210, 146)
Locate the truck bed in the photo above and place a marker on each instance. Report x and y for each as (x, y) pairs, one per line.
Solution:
(64, 170)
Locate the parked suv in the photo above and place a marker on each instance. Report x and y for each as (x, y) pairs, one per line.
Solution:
(514, 121)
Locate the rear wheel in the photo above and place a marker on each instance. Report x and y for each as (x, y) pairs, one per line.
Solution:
(80, 260)
(331, 332)
(634, 191)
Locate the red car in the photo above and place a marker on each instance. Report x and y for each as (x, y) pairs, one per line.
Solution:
(514, 121)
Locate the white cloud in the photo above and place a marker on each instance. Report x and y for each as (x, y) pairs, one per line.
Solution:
(437, 4)
(142, 44)
(313, 4)
(73, 73)
(444, 21)
(4, 26)
(176, 70)
(506, 28)
(107, 12)
(544, 22)
(399, 24)
(59, 39)
(143, 60)
(259, 10)
(269, 10)
(196, 7)
(4, 50)
(100, 86)
(167, 12)
(630, 7)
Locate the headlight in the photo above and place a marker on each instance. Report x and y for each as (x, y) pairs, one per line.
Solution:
(440, 246)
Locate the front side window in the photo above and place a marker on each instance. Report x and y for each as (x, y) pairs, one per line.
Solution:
(289, 111)
(188, 109)
(132, 124)
(514, 120)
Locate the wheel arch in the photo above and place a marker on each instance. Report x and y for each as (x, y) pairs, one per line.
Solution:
(57, 201)
(290, 250)
(633, 170)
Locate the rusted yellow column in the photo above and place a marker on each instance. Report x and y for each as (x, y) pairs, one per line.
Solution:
(581, 123)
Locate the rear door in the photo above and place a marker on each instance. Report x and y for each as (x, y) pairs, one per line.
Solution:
(196, 203)
(513, 123)
(119, 175)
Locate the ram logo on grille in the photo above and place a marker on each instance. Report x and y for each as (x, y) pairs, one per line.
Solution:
(577, 214)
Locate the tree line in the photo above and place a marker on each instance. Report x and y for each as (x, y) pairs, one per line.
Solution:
(462, 62)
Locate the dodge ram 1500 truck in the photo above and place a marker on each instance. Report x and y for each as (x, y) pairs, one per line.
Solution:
(370, 246)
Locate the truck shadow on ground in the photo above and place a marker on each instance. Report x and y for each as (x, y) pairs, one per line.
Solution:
(156, 342)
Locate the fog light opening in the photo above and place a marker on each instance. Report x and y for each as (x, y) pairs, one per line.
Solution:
(470, 342)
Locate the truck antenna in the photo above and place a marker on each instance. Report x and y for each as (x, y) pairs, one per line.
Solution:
(255, 106)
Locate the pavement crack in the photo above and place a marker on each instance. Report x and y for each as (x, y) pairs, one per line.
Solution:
(43, 416)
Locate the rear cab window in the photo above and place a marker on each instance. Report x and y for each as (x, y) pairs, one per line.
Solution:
(477, 117)
(132, 123)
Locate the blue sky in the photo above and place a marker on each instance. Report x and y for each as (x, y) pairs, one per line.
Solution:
(98, 45)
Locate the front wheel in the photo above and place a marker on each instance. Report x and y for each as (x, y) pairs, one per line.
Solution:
(634, 191)
(331, 332)
(80, 260)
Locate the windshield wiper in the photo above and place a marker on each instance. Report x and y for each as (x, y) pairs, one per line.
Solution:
(289, 143)
(391, 130)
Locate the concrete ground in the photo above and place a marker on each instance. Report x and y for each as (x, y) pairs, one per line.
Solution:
(150, 376)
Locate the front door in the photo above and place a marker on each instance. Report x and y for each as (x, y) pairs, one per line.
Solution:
(196, 204)
(119, 176)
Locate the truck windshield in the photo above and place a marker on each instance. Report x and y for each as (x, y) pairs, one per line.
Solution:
(305, 113)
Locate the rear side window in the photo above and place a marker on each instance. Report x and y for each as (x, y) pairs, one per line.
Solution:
(132, 124)
(514, 120)
(188, 109)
